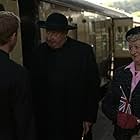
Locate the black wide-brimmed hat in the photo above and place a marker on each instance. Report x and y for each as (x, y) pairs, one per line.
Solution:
(56, 21)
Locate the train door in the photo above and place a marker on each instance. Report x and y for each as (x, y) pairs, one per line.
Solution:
(121, 52)
(28, 11)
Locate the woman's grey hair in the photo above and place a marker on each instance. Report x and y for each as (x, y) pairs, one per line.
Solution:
(133, 34)
(133, 37)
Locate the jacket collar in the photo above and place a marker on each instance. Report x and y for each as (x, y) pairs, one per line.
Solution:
(4, 54)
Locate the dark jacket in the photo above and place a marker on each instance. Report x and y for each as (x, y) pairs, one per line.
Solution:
(110, 103)
(15, 101)
(65, 85)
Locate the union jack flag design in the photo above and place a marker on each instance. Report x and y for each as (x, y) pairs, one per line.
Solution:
(124, 105)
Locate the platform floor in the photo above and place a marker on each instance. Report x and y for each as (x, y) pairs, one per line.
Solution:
(103, 129)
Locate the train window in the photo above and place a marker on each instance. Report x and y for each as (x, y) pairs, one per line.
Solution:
(2, 7)
(93, 26)
(104, 45)
(44, 8)
(119, 29)
(126, 28)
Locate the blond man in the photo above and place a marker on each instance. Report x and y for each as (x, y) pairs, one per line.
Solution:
(16, 121)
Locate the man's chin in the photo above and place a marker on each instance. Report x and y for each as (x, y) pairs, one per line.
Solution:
(55, 47)
(52, 46)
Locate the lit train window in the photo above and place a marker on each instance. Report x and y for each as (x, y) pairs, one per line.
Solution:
(126, 28)
(119, 29)
(2, 7)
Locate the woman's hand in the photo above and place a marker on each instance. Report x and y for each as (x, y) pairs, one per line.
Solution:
(86, 127)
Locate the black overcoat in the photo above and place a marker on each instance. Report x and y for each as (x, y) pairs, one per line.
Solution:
(16, 119)
(65, 88)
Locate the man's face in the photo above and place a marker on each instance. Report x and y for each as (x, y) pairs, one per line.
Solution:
(56, 39)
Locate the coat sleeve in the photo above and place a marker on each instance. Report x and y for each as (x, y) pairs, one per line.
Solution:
(23, 113)
(92, 86)
(111, 100)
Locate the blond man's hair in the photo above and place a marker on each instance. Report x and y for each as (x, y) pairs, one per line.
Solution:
(9, 24)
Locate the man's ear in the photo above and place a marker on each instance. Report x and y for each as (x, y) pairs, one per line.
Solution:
(12, 37)
(14, 34)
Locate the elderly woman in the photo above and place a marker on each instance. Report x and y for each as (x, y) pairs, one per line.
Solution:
(122, 102)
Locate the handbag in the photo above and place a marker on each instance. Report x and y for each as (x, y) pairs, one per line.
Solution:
(125, 119)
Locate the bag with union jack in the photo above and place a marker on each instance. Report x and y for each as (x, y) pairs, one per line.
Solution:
(125, 119)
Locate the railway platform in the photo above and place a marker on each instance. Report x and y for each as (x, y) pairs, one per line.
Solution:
(103, 129)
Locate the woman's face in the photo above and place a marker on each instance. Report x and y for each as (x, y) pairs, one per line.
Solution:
(56, 39)
(134, 48)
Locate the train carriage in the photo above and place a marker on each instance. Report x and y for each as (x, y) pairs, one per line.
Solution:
(102, 27)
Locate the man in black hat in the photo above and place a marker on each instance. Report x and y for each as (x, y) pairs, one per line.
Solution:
(65, 83)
